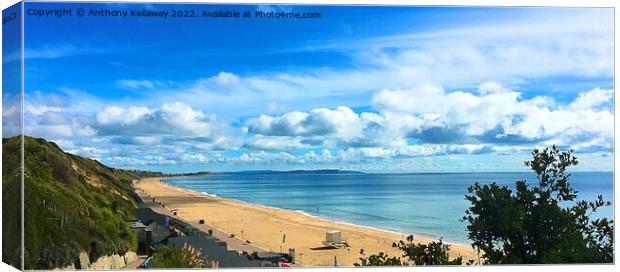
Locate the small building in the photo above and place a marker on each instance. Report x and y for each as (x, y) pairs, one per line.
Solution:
(151, 229)
(158, 232)
(333, 238)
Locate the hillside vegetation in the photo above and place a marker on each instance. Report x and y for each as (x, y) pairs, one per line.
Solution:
(72, 204)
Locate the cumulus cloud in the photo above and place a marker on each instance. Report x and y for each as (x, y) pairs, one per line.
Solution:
(592, 99)
(401, 124)
(169, 119)
(54, 121)
(341, 121)
(432, 116)
(491, 87)
(460, 114)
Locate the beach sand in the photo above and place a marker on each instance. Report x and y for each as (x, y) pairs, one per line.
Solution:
(265, 227)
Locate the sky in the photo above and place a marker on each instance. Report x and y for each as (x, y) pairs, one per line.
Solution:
(376, 89)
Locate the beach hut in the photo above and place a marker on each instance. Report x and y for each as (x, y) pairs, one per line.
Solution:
(151, 229)
(333, 238)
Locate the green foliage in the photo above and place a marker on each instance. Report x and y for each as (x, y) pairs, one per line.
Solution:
(380, 259)
(72, 204)
(178, 257)
(530, 226)
(433, 253)
(11, 204)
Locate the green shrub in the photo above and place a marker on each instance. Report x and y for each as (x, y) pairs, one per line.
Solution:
(177, 257)
(63, 213)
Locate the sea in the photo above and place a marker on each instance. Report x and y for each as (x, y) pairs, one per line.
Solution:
(425, 204)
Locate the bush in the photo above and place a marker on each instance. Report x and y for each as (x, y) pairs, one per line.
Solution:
(178, 257)
(433, 253)
(380, 259)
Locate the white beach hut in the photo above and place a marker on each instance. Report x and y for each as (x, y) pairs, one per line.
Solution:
(333, 238)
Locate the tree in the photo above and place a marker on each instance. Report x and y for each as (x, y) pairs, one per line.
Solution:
(537, 223)
(433, 253)
(178, 257)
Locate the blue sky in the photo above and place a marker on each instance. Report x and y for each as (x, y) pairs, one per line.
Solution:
(404, 89)
(11, 71)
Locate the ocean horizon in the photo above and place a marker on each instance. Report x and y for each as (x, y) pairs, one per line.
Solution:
(424, 204)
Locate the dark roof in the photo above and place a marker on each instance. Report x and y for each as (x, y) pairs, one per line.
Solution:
(148, 216)
(214, 251)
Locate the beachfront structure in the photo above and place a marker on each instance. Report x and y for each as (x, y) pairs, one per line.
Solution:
(154, 230)
(151, 229)
(158, 233)
(333, 238)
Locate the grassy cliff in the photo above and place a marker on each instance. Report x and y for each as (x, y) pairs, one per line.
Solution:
(72, 204)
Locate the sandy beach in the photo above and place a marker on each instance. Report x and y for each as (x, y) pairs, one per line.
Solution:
(265, 227)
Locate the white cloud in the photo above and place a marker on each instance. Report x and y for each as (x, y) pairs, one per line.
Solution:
(118, 115)
(131, 84)
(11, 114)
(491, 87)
(46, 116)
(137, 140)
(569, 42)
(170, 119)
(405, 123)
(592, 99)
(58, 51)
(341, 121)
(513, 51)
(431, 115)
(41, 109)
(121, 161)
(475, 114)
(225, 78)
(274, 143)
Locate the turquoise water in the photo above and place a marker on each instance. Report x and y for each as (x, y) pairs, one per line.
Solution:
(426, 204)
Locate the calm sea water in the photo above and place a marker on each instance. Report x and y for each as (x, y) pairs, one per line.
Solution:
(426, 204)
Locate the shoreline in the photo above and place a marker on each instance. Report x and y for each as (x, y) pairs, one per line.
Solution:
(304, 213)
(277, 229)
(308, 214)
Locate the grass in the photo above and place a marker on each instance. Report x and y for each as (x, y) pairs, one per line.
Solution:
(72, 204)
